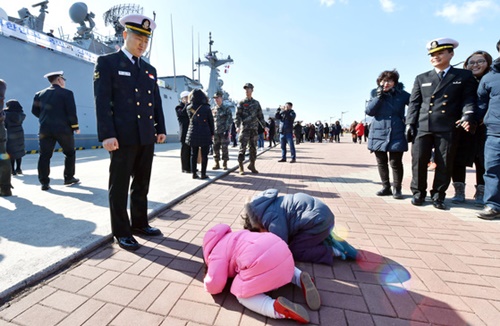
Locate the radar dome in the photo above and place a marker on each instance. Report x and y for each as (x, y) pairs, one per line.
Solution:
(78, 11)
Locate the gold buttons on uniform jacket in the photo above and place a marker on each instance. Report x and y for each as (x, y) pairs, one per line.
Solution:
(430, 111)
(150, 104)
(445, 96)
(432, 104)
(138, 116)
(136, 90)
(443, 111)
(149, 92)
(138, 103)
(444, 103)
(432, 96)
(150, 117)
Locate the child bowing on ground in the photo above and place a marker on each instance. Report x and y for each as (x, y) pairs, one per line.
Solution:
(258, 263)
(302, 221)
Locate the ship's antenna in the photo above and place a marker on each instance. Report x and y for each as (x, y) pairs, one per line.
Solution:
(173, 51)
(199, 59)
(192, 53)
(152, 33)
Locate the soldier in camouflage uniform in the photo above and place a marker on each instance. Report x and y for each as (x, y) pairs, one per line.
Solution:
(223, 119)
(248, 116)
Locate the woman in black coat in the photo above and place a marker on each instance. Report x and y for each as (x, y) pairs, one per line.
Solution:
(387, 131)
(200, 131)
(14, 117)
(470, 146)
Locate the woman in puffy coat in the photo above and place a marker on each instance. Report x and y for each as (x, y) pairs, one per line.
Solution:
(387, 131)
(258, 263)
(302, 221)
(200, 131)
(14, 117)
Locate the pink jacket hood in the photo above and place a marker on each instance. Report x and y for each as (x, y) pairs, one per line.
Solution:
(258, 262)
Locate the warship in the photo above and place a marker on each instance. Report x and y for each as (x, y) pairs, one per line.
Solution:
(31, 53)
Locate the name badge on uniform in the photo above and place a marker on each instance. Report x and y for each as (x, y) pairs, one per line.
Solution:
(426, 84)
(124, 73)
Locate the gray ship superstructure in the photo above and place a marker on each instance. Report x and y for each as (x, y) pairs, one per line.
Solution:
(28, 53)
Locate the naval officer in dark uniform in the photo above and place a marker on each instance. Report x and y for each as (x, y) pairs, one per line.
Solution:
(442, 99)
(55, 109)
(129, 122)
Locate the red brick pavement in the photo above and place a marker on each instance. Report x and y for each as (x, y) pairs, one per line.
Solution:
(420, 266)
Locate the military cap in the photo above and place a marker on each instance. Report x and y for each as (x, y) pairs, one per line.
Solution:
(139, 24)
(218, 94)
(248, 85)
(53, 74)
(184, 94)
(441, 44)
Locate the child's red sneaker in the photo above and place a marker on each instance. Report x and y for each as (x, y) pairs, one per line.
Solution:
(290, 310)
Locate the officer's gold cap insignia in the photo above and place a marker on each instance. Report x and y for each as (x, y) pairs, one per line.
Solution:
(145, 24)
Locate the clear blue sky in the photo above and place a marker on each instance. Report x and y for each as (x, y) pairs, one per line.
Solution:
(322, 55)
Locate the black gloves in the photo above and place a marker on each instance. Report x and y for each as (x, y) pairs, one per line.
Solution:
(380, 91)
(411, 133)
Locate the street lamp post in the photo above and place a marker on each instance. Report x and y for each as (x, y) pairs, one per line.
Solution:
(342, 117)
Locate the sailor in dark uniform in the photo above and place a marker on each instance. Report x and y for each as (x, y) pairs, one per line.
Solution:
(441, 100)
(55, 109)
(129, 122)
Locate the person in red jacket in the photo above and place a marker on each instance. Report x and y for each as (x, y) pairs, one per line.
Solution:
(360, 130)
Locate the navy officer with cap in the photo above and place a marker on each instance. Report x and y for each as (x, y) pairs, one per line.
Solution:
(442, 99)
(129, 122)
(55, 109)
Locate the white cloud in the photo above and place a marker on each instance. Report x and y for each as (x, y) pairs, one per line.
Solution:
(469, 12)
(330, 3)
(387, 5)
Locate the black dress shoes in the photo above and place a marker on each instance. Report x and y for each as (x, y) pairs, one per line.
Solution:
(204, 176)
(439, 204)
(71, 181)
(127, 243)
(396, 193)
(417, 201)
(386, 191)
(282, 160)
(45, 186)
(293, 160)
(196, 176)
(488, 213)
(147, 230)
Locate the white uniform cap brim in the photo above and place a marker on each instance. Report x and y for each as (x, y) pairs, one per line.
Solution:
(184, 94)
(137, 19)
(58, 73)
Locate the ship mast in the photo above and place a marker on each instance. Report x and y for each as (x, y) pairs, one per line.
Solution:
(214, 84)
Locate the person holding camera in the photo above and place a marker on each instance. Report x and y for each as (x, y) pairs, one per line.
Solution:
(286, 116)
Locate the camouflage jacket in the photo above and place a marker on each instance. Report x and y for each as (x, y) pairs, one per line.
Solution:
(249, 115)
(223, 118)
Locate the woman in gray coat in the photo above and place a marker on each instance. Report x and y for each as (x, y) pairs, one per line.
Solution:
(387, 130)
(14, 117)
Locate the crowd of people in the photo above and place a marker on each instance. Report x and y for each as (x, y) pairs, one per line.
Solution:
(451, 114)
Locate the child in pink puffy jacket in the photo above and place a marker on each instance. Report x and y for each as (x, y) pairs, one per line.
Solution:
(259, 263)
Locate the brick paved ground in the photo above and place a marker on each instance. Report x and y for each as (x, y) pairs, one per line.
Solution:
(420, 266)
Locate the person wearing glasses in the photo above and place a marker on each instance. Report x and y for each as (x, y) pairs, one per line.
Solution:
(489, 107)
(470, 146)
(442, 99)
(55, 109)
